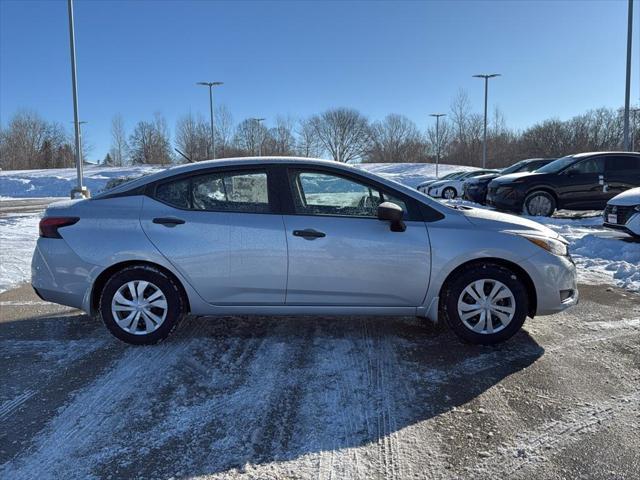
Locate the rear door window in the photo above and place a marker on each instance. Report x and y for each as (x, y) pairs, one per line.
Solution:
(245, 191)
(623, 164)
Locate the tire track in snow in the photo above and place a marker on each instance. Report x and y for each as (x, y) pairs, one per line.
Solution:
(529, 448)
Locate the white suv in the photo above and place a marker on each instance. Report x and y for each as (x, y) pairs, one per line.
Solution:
(623, 212)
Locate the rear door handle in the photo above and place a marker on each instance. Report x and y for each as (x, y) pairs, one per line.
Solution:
(168, 221)
(308, 233)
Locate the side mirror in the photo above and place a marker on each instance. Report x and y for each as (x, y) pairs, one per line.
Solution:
(390, 212)
(572, 171)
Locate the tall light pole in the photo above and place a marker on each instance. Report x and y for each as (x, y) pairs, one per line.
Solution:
(80, 190)
(486, 95)
(627, 90)
(213, 139)
(258, 120)
(437, 115)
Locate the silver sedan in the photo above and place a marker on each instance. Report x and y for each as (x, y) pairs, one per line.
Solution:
(288, 236)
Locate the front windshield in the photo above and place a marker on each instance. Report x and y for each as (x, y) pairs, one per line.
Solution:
(556, 165)
(514, 168)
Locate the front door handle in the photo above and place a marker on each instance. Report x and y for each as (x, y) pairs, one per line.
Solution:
(308, 233)
(168, 221)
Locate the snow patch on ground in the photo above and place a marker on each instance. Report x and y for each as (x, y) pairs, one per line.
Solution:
(58, 182)
(18, 236)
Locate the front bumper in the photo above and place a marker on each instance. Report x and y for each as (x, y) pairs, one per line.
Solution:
(58, 275)
(630, 220)
(505, 198)
(555, 280)
(475, 193)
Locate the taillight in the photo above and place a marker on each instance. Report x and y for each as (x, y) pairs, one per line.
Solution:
(49, 225)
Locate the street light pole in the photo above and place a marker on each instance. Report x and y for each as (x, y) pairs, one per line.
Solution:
(258, 120)
(627, 91)
(437, 115)
(213, 139)
(80, 189)
(486, 95)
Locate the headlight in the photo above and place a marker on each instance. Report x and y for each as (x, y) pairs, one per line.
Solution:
(552, 245)
(637, 208)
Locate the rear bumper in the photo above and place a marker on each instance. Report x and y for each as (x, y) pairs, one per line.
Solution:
(58, 275)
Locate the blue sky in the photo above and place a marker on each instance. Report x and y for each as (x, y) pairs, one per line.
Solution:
(138, 57)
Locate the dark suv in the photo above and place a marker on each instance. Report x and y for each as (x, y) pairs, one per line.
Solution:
(475, 189)
(577, 182)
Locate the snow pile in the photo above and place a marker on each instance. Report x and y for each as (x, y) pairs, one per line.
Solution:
(411, 174)
(58, 182)
(18, 235)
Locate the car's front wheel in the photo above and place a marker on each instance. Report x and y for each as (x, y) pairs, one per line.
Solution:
(539, 204)
(449, 193)
(486, 304)
(141, 305)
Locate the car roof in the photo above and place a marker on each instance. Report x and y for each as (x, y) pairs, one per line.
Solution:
(224, 162)
(588, 154)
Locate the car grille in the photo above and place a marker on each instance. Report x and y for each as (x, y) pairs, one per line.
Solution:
(624, 212)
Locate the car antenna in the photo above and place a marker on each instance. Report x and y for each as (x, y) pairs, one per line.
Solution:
(188, 159)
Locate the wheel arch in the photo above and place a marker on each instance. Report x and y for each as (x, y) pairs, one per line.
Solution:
(107, 273)
(544, 188)
(517, 269)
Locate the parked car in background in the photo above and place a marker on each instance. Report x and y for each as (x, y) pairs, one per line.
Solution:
(452, 187)
(285, 236)
(475, 188)
(424, 186)
(623, 212)
(585, 181)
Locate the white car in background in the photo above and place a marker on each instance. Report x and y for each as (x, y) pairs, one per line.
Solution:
(452, 187)
(623, 212)
(424, 186)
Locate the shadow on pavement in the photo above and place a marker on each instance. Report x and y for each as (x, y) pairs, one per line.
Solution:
(225, 393)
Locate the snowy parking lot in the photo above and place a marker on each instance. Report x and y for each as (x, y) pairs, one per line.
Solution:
(298, 397)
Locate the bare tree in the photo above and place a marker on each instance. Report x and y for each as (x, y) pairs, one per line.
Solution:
(149, 142)
(224, 130)
(280, 140)
(308, 144)
(250, 136)
(29, 141)
(119, 146)
(343, 132)
(396, 139)
(193, 137)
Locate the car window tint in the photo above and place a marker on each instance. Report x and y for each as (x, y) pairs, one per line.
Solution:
(591, 165)
(317, 193)
(623, 164)
(237, 192)
(174, 193)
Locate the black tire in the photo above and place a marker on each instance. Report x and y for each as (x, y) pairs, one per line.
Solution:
(454, 288)
(449, 193)
(537, 195)
(175, 303)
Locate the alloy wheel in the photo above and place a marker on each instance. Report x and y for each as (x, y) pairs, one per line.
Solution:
(486, 306)
(539, 205)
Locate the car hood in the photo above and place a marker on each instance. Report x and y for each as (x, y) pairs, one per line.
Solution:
(492, 220)
(513, 177)
(439, 183)
(483, 178)
(627, 198)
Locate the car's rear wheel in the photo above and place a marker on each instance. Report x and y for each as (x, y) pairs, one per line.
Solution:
(486, 304)
(449, 193)
(539, 204)
(141, 305)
